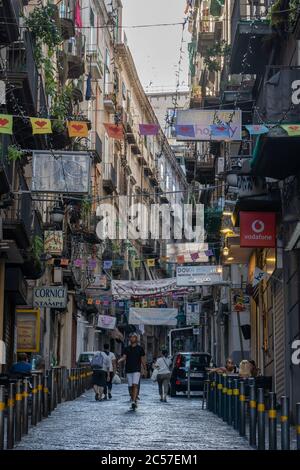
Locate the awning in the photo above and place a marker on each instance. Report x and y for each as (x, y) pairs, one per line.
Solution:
(276, 154)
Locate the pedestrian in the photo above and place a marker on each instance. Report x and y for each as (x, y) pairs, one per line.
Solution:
(112, 371)
(229, 368)
(163, 365)
(22, 366)
(100, 365)
(134, 358)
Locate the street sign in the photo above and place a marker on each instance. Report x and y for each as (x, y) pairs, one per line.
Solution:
(198, 275)
(50, 296)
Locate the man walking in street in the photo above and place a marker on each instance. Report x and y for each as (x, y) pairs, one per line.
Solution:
(112, 371)
(134, 357)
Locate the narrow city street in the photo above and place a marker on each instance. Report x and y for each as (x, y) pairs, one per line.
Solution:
(180, 424)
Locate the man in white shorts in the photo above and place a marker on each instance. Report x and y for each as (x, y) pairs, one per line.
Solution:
(134, 356)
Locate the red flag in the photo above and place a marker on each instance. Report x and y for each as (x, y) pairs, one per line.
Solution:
(149, 129)
(115, 131)
(78, 20)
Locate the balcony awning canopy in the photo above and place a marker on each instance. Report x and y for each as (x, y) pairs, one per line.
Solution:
(276, 154)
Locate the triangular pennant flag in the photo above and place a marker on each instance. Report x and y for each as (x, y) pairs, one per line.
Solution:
(258, 276)
(115, 131)
(185, 130)
(136, 263)
(6, 124)
(78, 129)
(41, 126)
(180, 259)
(107, 264)
(220, 130)
(257, 129)
(152, 303)
(136, 304)
(145, 303)
(194, 256)
(150, 263)
(90, 301)
(149, 129)
(293, 130)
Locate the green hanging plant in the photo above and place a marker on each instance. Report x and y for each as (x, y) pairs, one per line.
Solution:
(86, 207)
(14, 153)
(37, 246)
(42, 24)
(213, 54)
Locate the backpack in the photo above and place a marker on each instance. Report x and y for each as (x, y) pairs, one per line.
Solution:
(97, 361)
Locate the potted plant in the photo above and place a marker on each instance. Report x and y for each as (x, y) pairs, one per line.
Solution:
(33, 268)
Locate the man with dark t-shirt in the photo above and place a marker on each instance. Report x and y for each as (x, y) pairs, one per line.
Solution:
(134, 356)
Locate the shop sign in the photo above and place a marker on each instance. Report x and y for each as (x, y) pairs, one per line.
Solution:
(198, 275)
(53, 242)
(257, 229)
(28, 330)
(50, 297)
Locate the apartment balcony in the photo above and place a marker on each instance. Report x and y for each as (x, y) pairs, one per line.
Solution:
(96, 146)
(250, 27)
(21, 76)
(74, 49)
(67, 18)
(205, 170)
(137, 149)
(10, 12)
(154, 178)
(95, 61)
(149, 246)
(6, 169)
(109, 177)
(109, 102)
(17, 221)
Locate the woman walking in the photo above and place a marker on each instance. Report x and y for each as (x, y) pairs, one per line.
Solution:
(162, 365)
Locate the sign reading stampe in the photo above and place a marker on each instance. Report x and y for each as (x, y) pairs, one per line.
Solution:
(78, 129)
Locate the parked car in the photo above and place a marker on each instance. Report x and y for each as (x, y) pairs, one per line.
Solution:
(85, 358)
(182, 361)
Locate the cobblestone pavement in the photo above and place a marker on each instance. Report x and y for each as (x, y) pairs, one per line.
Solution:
(180, 424)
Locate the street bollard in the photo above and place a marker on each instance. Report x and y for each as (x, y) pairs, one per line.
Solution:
(242, 414)
(220, 388)
(39, 397)
(215, 393)
(261, 420)
(72, 384)
(55, 388)
(34, 400)
(58, 385)
(11, 416)
(52, 400)
(298, 425)
(189, 383)
(236, 403)
(272, 422)
(229, 401)
(224, 397)
(285, 423)
(2, 411)
(45, 397)
(25, 404)
(18, 411)
(253, 416)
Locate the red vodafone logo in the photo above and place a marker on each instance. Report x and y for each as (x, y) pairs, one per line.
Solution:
(258, 226)
(257, 229)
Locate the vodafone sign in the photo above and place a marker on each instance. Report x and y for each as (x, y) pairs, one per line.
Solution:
(258, 229)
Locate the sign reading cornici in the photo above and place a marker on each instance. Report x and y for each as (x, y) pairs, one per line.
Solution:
(50, 296)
